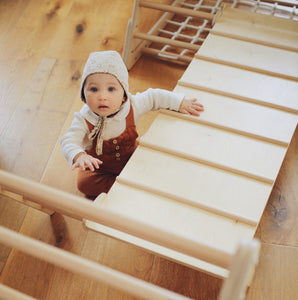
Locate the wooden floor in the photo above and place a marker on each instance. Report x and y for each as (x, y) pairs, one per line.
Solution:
(43, 47)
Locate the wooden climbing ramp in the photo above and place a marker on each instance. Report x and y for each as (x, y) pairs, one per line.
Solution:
(209, 178)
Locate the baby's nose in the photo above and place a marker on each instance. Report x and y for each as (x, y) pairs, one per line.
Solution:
(102, 95)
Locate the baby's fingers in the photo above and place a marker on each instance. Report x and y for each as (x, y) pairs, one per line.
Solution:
(96, 163)
(74, 166)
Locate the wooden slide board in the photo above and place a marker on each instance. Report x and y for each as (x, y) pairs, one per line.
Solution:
(209, 178)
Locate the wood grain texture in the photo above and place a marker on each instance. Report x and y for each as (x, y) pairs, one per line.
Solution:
(91, 26)
(45, 104)
(10, 12)
(278, 223)
(186, 281)
(20, 57)
(276, 274)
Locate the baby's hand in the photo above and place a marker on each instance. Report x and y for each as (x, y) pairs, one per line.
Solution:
(191, 107)
(84, 161)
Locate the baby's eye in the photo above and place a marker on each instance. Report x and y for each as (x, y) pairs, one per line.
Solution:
(93, 89)
(111, 89)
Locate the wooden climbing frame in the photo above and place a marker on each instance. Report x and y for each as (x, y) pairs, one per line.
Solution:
(181, 30)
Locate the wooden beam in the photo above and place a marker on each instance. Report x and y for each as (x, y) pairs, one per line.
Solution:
(177, 10)
(166, 41)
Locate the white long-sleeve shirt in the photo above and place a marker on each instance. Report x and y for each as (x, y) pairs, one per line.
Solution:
(76, 138)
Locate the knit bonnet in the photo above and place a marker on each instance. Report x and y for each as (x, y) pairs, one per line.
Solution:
(109, 62)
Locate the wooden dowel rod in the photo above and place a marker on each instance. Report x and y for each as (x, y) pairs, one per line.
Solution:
(7, 293)
(167, 55)
(205, 162)
(235, 96)
(209, 208)
(83, 266)
(166, 41)
(83, 208)
(222, 127)
(177, 10)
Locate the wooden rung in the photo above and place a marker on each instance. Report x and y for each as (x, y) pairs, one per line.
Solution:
(162, 40)
(80, 265)
(206, 162)
(7, 293)
(177, 10)
(83, 209)
(167, 55)
(212, 209)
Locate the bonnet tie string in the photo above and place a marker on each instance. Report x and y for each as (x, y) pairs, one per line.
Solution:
(97, 132)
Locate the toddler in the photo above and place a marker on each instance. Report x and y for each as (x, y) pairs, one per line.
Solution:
(102, 136)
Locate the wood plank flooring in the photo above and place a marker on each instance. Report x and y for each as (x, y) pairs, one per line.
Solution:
(43, 47)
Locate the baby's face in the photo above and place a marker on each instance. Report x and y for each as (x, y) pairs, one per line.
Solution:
(104, 94)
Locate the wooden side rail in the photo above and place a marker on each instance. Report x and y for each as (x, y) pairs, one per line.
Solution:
(85, 267)
(82, 208)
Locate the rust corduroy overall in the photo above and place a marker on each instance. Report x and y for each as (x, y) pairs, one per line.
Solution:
(115, 154)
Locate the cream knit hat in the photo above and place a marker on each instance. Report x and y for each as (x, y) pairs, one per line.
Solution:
(105, 62)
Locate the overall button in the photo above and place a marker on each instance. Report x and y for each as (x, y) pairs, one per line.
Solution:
(117, 154)
(114, 141)
(117, 147)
